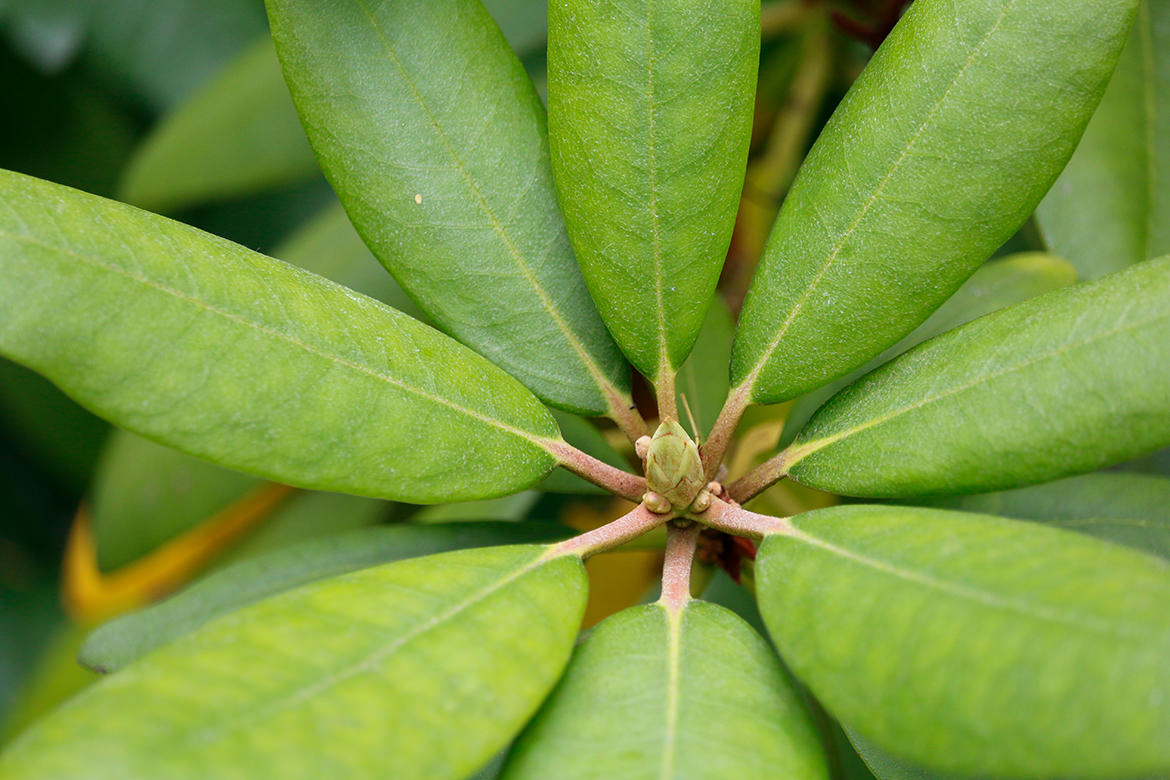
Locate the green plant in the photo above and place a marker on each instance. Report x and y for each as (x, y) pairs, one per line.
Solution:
(958, 642)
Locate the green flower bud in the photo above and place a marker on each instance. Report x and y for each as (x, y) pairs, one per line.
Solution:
(673, 467)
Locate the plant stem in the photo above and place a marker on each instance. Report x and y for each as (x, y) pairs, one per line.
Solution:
(625, 414)
(777, 18)
(611, 535)
(600, 473)
(760, 478)
(676, 568)
(716, 445)
(736, 520)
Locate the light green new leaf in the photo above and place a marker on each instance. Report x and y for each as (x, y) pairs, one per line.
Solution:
(941, 150)
(997, 284)
(237, 135)
(975, 645)
(661, 694)
(414, 670)
(434, 139)
(1129, 509)
(703, 377)
(254, 364)
(1111, 206)
(1064, 383)
(650, 113)
(144, 494)
(126, 639)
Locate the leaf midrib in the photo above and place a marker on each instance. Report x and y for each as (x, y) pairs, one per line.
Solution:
(673, 653)
(801, 451)
(750, 381)
(610, 393)
(540, 441)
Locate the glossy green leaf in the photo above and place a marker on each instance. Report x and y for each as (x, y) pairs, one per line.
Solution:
(252, 363)
(995, 285)
(1064, 383)
(938, 154)
(432, 135)
(660, 694)
(237, 135)
(994, 647)
(1129, 509)
(145, 494)
(126, 639)
(650, 114)
(703, 377)
(585, 437)
(1111, 206)
(412, 670)
(328, 246)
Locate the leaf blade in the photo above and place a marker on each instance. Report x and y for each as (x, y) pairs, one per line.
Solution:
(634, 704)
(222, 704)
(116, 644)
(302, 350)
(1108, 209)
(1103, 339)
(649, 136)
(1034, 648)
(453, 195)
(907, 190)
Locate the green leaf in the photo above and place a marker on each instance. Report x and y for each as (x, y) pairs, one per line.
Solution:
(126, 639)
(883, 765)
(997, 284)
(1068, 382)
(237, 135)
(412, 670)
(656, 693)
(941, 150)
(206, 346)
(328, 246)
(434, 138)
(703, 377)
(1111, 206)
(1129, 509)
(145, 494)
(650, 114)
(994, 647)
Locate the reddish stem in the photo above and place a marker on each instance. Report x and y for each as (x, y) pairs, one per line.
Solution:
(626, 528)
(676, 568)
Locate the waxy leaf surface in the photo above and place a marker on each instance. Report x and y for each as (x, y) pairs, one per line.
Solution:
(1129, 509)
(417, 670)
(1064, 383)
(237, 135)
(942, 149)
(661, 694)
(994, 647)
(650, 113)
(995, 285)
(433, 137)
(123, 640)
(1110, 207)
(224, 353)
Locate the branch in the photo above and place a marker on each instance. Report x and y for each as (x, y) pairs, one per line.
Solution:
(626, 528)
(715, 447)
(625, 413)
(736, 520)
(761, 477)
(616, 481)
(676, 569)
